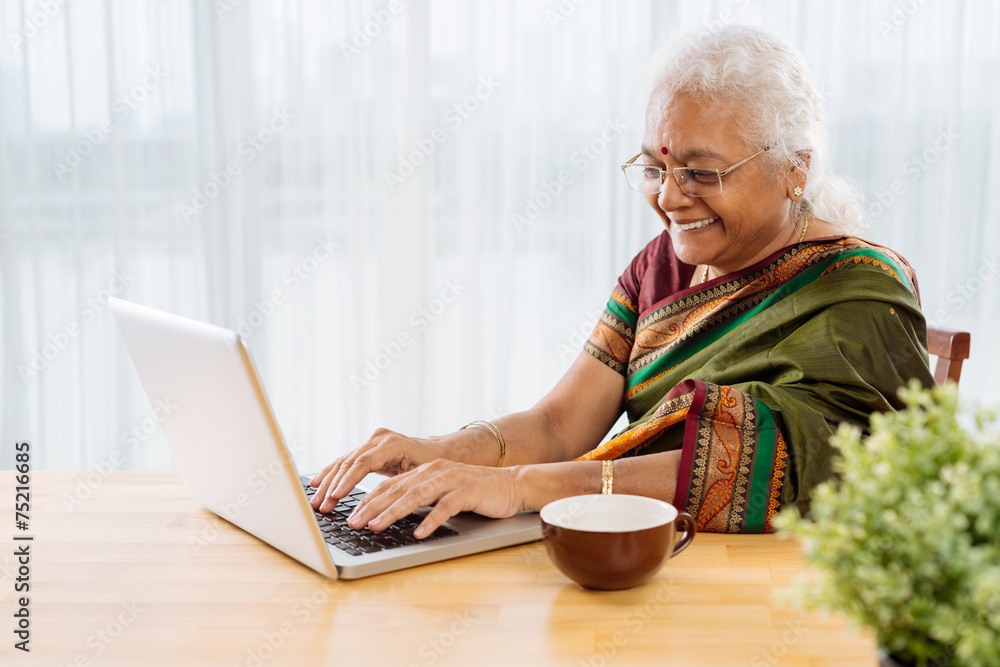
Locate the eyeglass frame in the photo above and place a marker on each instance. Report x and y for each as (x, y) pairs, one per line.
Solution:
(663, 173)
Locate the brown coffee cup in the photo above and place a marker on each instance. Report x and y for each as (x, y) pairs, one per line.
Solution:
(613, 541)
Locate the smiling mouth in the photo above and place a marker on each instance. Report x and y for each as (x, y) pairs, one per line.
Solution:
(699, 224)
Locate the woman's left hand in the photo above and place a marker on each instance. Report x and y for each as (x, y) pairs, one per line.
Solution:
(450, 486)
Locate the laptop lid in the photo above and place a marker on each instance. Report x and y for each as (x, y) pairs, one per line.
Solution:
(227, 444)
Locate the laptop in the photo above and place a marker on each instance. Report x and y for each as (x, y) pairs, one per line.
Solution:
(233, 459)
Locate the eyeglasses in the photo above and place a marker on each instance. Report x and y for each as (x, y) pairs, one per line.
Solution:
(695, 182)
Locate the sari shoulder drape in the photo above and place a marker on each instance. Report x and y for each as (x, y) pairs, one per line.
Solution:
(749, 374)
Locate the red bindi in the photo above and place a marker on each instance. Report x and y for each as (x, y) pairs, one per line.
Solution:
(663, 149)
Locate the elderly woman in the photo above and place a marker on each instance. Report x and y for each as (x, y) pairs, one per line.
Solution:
(736, 341)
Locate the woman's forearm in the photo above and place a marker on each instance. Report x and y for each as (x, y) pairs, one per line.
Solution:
(569, 421)
(529, 437)
(653, 475)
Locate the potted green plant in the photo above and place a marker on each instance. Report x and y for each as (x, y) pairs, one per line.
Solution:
(905, 539)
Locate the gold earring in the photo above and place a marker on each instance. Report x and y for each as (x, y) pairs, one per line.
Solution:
(797, 191)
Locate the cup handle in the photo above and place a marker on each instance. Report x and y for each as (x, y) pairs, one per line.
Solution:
(686, 520)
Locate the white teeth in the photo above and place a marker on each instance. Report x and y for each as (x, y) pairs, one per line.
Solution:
(696, 225)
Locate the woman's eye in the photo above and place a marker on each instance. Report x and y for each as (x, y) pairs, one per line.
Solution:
(703, 176)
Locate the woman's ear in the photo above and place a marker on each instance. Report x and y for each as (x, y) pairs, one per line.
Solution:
(804, 159)
(798, 174)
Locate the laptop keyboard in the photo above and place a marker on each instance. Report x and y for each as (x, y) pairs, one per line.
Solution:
(336, 532)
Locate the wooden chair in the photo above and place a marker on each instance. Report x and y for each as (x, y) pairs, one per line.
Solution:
(951, 348)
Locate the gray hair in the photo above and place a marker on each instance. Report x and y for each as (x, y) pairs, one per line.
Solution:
(779, 105)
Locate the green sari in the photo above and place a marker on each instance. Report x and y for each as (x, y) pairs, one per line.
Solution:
(751, 373)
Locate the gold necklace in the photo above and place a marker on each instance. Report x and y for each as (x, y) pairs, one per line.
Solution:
(802, 236)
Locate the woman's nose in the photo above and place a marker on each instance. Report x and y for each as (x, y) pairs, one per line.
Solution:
(671, 196)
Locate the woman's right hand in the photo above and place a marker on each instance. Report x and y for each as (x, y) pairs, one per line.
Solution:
(386, 453)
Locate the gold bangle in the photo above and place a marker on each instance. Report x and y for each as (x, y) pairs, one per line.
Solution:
(496, 434)
(607, 476)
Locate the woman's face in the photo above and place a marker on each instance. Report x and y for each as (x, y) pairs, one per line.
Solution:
(751, 217)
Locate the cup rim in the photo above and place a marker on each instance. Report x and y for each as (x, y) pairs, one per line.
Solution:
(558, 511)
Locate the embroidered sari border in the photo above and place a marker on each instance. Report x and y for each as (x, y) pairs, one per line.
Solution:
(673, 410)
(613, 336)
(733, 461)
(777, 479)
(687, 450)
(621, 311)
(690, 296)
(733, 458)
(762, 468)
(691, 347)
(892, 266)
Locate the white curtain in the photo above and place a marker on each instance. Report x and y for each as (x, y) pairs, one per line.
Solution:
(413, 209)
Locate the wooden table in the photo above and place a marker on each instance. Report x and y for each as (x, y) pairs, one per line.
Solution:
(128, 570)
